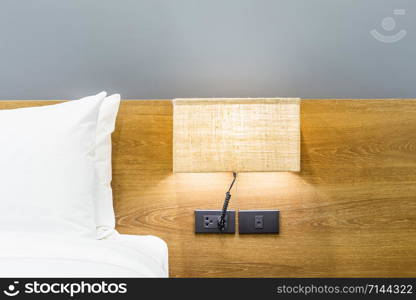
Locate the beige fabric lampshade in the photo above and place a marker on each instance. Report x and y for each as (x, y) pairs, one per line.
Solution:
(240, 135)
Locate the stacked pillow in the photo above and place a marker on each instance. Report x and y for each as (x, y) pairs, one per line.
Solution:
(55, 168)
(104, 212)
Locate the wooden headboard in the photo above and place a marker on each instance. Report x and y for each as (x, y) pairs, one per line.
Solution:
(351, 211)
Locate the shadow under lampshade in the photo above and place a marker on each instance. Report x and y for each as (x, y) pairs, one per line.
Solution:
(236, 134)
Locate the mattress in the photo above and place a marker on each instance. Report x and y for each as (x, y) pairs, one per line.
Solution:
(37, 255)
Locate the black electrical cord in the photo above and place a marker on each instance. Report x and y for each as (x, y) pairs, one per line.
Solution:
(221, 219)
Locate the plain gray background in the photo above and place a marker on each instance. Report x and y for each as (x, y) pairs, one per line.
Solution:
(152, 49)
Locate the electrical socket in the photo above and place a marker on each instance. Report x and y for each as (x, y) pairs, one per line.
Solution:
(206, 221)
(211, 221)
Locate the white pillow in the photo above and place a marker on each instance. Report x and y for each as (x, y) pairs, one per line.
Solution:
(47, 168)
(104, 211)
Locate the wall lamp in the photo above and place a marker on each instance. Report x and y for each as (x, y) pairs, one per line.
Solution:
(236, 135)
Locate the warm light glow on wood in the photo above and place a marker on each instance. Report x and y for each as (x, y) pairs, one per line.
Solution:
(241, 135)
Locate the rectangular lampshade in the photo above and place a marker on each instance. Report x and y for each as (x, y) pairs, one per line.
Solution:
(239, 135)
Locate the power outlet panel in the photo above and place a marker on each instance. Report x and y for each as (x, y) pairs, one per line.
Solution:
(258, 221)
(206, 221)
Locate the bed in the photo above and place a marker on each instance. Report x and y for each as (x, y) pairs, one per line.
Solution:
(29, 255)
(56, 202)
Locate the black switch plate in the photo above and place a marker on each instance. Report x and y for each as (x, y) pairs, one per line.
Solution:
(258, 221)
(206, 221)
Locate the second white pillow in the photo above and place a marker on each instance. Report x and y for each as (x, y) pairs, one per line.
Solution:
(104, 211)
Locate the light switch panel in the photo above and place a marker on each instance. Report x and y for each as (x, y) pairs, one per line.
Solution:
(258, 221)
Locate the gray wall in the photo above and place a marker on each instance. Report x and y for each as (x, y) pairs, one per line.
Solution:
(188, 48)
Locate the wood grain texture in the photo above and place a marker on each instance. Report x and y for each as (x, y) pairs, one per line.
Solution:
(351, 211)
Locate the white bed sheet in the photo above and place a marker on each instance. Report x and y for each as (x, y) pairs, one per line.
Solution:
(37, 255)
